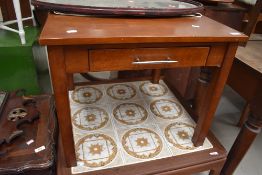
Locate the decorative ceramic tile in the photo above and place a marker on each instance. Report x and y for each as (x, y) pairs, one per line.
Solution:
(178, 136)
(127, 123)
(154, 90)
(96, 150)
(166, 108)
(142, 143)
(130, 113)
(87, 95)
(90, 118)
(149, 90)
(121, 91)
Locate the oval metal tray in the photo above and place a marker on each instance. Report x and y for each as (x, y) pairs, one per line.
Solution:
(146, 8)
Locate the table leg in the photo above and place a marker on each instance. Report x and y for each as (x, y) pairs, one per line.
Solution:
(217, 170)
(244, 115)
(246, 136)
(70, 79)
(207, 100)
(156, 76)
(243, 142)
(60, 86)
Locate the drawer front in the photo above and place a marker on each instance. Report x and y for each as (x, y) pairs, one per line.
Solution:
(147, 58)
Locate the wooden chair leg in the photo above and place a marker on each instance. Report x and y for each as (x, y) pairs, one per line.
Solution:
(247, 135)
(156, 76)
(244, 140)
(244, 115)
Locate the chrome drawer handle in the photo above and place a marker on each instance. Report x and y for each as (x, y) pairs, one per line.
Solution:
(167, 61)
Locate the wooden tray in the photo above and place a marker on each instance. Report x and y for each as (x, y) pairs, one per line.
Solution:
(33, 153)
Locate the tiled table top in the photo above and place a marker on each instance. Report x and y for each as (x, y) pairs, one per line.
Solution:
(127, 123)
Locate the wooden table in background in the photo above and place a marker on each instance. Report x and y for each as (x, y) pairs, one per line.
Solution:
(246, 79)
(83, 44)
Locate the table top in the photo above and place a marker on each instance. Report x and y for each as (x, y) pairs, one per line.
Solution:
(76, 30)
(251, 55)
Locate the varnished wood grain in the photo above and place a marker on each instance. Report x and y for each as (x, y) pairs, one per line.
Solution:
(123, 59)
(229, 14)
(244, 115)
(76, 59)
(249, 76)
(247, 135)
(112, 43)
(216, 54)
(156, 74)
(19, 155)
(92, 30)
(184, 79)
(251, 55)
(212, 94)
(246, 79)
(60, 84)
(70, 81)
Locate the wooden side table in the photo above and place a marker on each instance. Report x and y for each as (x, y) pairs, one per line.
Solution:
(82, 44)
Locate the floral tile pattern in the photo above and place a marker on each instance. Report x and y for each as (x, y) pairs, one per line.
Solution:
(142, 143)
(96, 150)
(179, 135)
(127, 123)
(130, 113)
(166, 109)
(121, 91)
(86, 95)
(90, 118)
(153, 90)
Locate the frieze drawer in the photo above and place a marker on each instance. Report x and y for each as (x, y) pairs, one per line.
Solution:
(147, 58)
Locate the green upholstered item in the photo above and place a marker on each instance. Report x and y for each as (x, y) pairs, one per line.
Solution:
(17, 67)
